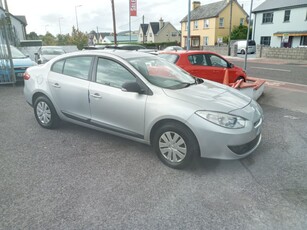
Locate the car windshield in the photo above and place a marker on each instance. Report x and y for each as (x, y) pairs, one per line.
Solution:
(16, 53)
(52, 51)
(161, 73)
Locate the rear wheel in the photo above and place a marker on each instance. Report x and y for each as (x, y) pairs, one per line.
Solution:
(175, 145)
(45, 113)
(242, 51)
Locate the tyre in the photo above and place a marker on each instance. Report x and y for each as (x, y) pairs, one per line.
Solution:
(242, 51)
(175, 145)
(45, 113)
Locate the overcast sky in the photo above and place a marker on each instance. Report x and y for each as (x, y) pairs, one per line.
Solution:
(56, 15)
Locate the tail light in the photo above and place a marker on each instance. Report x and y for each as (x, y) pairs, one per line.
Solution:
(26, 76)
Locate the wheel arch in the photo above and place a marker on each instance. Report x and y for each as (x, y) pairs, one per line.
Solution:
(160, 123)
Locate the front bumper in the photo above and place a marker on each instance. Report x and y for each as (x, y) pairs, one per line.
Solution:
(222, 143)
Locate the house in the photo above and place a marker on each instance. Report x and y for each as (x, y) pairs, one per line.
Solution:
(157, 32)
(281, 23)
(210, 23)
(18, 24)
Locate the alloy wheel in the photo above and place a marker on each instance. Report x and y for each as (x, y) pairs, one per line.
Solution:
(172, 147)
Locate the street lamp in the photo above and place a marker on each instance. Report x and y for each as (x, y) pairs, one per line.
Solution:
(60, 24)
(77, 15)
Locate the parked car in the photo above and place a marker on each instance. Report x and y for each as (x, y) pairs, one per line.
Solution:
(20, 62)
(125, 93)
(173, 48)
(46, 53)
(126, 47)
(204, 64)
(241, 47)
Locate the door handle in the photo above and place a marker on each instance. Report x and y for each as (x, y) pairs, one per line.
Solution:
(96, 95)
(56, 85)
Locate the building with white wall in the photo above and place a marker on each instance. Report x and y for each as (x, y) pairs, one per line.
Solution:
(281, 23)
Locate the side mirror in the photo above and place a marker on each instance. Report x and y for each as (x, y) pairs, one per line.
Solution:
(132, 87)
(231, 65)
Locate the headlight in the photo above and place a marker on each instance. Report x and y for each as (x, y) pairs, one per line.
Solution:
(223, 119)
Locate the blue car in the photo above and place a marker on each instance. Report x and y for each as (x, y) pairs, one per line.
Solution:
(20, 63)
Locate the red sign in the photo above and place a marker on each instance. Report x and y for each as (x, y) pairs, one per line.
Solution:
(132, 7)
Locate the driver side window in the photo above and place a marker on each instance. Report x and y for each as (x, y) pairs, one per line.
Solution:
(112, 73)
(217, 61)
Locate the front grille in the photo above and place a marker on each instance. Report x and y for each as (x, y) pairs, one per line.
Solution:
(242, 149)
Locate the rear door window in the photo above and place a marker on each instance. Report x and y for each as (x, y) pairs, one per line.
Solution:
(78, 67)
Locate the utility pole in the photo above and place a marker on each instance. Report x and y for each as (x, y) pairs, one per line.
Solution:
(143, 30)
(189, 29)
(114, 22)
(230, 25)
(247, 37)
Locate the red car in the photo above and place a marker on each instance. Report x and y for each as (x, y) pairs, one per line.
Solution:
(204, 64)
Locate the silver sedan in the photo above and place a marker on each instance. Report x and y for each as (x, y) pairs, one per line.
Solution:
(147, 99)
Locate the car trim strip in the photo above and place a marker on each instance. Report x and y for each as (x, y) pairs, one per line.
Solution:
(102, 125)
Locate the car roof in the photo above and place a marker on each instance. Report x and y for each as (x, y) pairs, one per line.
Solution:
(125, 54)
(187, 52)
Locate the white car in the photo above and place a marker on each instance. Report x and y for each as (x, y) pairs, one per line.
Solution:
(147, 99)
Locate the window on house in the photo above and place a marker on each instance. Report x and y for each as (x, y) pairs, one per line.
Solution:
(303, 41)
(267, 17)
(287, 16)
(150, 34)
(265, 40)
(195, 24)
(195, 41)
(206, 23)
(186, 26)
(206, 41)
(174, 34)
(221, 22)
(241, 21)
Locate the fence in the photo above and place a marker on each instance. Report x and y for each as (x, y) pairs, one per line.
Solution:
(7, 75)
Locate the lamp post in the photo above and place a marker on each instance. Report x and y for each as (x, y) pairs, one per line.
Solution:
(60, 24)
(77, 15)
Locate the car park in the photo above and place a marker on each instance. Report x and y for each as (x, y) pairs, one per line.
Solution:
(46, 53)
(20, 63)
(147, 99)
(204, 64)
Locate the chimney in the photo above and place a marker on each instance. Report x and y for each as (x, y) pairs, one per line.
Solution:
(161, 24)
(196, 4)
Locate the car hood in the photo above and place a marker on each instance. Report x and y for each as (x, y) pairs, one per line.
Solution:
(22, 62)
(211, 96)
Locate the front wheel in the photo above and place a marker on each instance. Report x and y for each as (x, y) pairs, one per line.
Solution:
(45, 113)
(242, 51)
(175, 145)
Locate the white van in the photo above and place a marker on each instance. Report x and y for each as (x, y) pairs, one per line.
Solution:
(242, 46)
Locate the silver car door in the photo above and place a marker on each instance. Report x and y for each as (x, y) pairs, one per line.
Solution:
(111, 107)
(68, 82)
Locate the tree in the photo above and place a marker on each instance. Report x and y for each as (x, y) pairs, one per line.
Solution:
(49, 39)
(78, 38)
(63, 39)
(32, 36)
(239, 32)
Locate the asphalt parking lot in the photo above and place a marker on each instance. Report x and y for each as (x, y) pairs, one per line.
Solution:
(77, 178)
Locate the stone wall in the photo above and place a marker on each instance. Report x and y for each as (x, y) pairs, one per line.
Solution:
(221, 50)
(282, 53)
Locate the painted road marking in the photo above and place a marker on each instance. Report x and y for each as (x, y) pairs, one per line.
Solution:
(282, 70)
